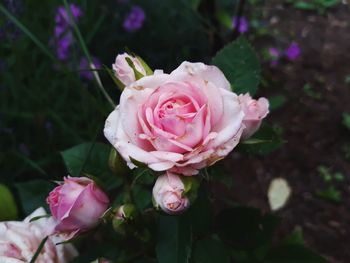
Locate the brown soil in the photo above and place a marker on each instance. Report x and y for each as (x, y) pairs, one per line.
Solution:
(313, 129)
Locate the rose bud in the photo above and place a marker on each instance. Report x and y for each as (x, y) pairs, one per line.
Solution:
(254, 112)
(124, 72)
(77, 205)
(173, 193)
(123, 214)
(19, 241)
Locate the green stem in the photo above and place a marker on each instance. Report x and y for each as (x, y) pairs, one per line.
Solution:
(87, 54)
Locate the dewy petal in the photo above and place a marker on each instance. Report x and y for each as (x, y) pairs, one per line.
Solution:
(207, 72)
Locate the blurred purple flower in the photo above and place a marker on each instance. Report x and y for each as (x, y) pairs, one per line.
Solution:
(8, 29)
(84, 67)
(49, 127)
(23, 148)
(243, 24)
(62, 17)
(135, 19)
(63, 33)
(63, 46)
(293, 51)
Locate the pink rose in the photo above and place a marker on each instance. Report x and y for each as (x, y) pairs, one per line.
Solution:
(182, 121)
(77, 205)
(124, 72)
(168, 194)
(254, 112)
(20, 240)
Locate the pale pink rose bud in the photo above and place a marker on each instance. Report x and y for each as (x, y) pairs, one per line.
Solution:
(254, 112)
(19, 240)
(124, 72)
(168, 194)
(77, 205)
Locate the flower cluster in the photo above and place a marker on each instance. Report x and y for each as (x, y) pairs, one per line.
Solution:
(63, 30)
(134, 19)
(175, 124)
(178, 123)
(291, 53)
(242, 23)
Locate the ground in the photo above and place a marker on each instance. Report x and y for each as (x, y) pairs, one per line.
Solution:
(313, 130)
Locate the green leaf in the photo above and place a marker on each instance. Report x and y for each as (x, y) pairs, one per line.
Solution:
(330, 194)
(269, 138)
(209, 250)
(241, 66)
(246, 228)
(346, 120)
(144, 176)
(33, 194)
(225, 18)
(142, 196)
(8, 207)
(304, 5)
(310, 91)
(347, 79)
(199, 215)
(293, 254)
(295, 238)
(174, 240)
(91, 158)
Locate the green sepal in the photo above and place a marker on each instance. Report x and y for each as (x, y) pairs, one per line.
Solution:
(117, 82)
(137, 163)
(148, 70)
(138, 75)
(191, 185)
(117, 164)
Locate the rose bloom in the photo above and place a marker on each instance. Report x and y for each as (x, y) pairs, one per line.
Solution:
(168, 194)
(20, 240)
(124, 72)
(254, 112)
(77, 205)
(182, 121)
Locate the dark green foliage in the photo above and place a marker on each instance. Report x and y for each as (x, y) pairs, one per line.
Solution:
(240, 65)
(174, 240)
(91, 159)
